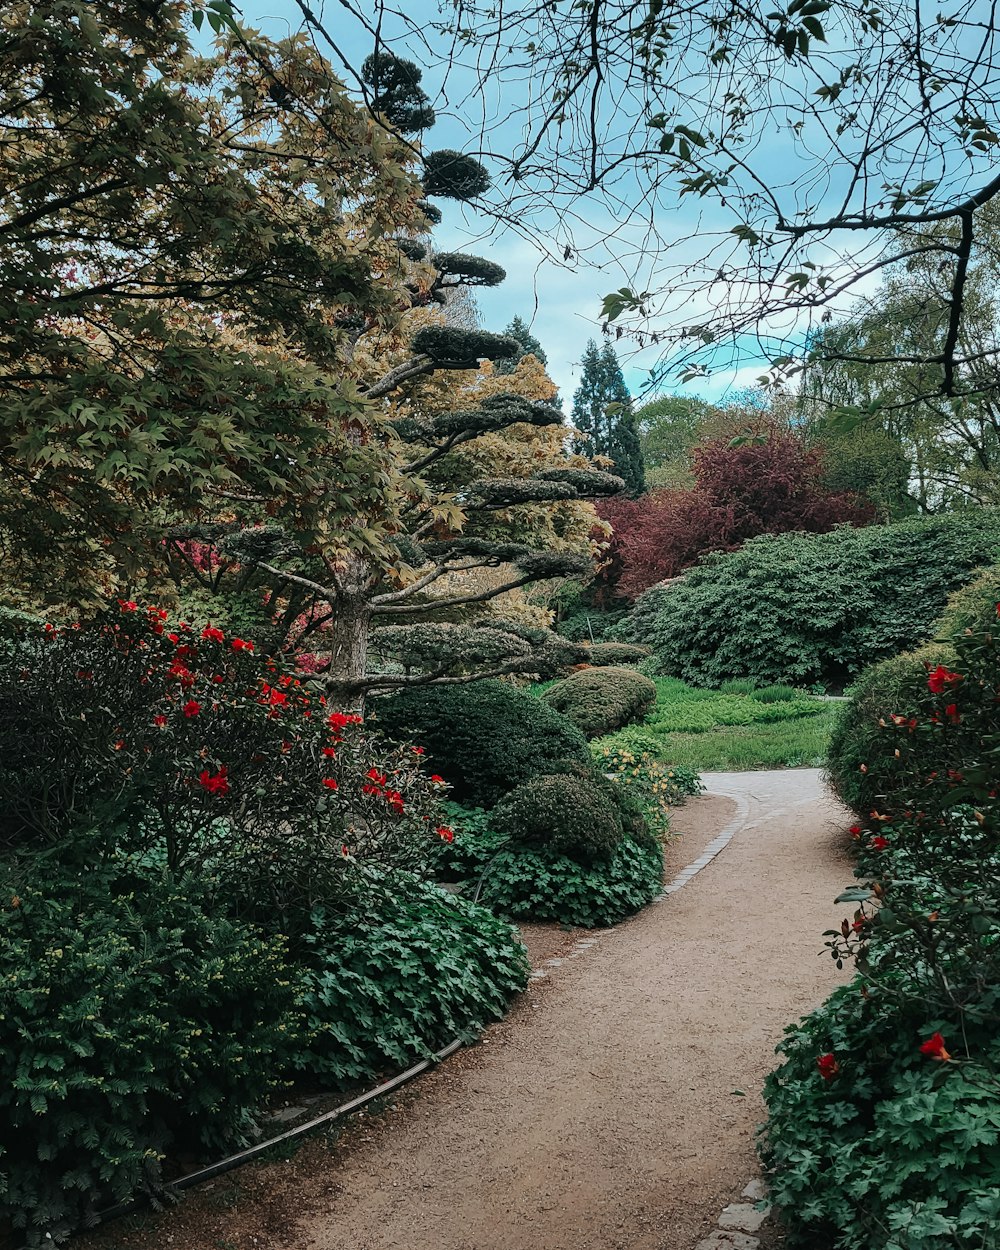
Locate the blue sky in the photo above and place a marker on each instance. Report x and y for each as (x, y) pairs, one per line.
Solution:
(562, 302)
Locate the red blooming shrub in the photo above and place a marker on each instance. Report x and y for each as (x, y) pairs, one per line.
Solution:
(769, 487)
(137, 737)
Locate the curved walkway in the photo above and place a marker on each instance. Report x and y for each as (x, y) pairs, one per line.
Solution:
(605, 1118)
(615, 1108)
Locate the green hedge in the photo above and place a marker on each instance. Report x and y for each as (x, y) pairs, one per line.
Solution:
(813, 608)
(600, 700)
(484, 739)
(601, 654)
(566, 815)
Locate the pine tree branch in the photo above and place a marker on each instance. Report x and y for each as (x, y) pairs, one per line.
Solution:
(406, 609)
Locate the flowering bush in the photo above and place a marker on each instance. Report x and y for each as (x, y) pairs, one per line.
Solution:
(180, 745)
(885, 1116)
(657, 787)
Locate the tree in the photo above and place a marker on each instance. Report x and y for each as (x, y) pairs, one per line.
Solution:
(768, 484)
(521, 331)
(603, 418)
(811, 139)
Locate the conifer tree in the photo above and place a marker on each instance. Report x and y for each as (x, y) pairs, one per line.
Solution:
(603, 416)
(521, 331)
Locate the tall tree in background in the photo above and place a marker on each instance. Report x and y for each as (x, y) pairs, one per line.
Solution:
(602, 413)
(521, 331)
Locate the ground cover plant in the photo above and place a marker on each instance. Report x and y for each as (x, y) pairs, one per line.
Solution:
(802, 609)
(211, 882)
(884, 1116)
(743, 727)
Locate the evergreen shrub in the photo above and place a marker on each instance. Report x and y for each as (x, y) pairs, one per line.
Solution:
(602, 654)
(599, 701)
(808, 608)
(484, 739)
(566, 815)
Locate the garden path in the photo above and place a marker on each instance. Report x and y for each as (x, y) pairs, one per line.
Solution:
(604, 1114)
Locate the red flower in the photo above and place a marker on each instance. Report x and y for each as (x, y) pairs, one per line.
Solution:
(217, 783)
(940, 678)
(445, 834)
(240, 644)
(216, 635)
(330, 753)
(855, 831)
(828, 1067)
(329, 783)
(417, 750)
(191, 708)
(395, 801)
(953, 714)
(159, 720)
(376, 776)
(438, 781)
(878, 843)
(128, 605)
(934, 1047)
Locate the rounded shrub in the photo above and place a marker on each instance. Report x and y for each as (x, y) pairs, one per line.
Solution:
(973, 608)
(865, 763)
(602, 654)
(485, 739)
(809, 608)
(564, 814)
(599, 701)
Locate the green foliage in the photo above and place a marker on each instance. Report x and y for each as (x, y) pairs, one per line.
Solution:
(130, 1022)
(738, 685)
(776, 694)
(653, 786)
(454, 176)
(862, 761)
(484, 739)
(973, 608)
(541, 886)
(602, 654)
(601, 700)
(415, 969)
(684, 709)
(602, 413)
(565, 815)
(530, 346)
(396, 92)
(803, 608)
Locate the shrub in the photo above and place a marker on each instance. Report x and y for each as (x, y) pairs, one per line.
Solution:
(566, 815)
(541, 886)
(657, 787)
(131, 1022)
(598, 701)
(862, 761)
(417, 969)
(972, 608)
(484, 739)
(803, 608)
(602, 654)
(183, 745)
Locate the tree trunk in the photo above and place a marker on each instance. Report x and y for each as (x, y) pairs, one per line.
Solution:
(348, 640)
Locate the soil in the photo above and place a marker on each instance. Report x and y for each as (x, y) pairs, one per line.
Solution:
(615, 1107)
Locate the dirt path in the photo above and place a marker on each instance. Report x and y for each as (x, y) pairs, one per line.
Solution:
(603, 1113)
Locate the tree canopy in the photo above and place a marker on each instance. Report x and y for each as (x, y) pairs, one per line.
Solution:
(603, 417)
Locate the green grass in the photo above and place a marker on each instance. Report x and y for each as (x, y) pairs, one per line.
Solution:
(712, 730)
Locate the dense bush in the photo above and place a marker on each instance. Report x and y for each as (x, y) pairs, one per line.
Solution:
(602, 654)
(183, 745)
(601, 700)
(802, 608)
(417, 969)
(484, 739)
(656, 787)
(539, 885)
(884, 1121)
(565, 815)
(131, 1022)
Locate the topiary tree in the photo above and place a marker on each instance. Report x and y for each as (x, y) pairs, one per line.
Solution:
(484, 741)
(602, 654)
(601, 700)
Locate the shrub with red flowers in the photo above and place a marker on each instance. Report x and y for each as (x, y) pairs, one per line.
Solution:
(885, 1114)
(159, 740)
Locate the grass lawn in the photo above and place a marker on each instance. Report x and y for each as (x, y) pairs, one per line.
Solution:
(733, 729)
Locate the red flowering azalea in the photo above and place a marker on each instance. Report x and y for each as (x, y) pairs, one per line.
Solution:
(191, 708)
(330, 753)
(879, 843)
(128, 605)
(417, 750)
(953, 714)
(445, 834)
(941, 678)
(329, 783)
(855, 831)
(438, 781)
(828, 1067)
(934, 1048)
(214, 783)
(213, 634)
(377, 777)
(159, 720)
(240, 644)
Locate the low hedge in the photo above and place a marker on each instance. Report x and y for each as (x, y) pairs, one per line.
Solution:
(599, 701)
(484, 739)
(603, 654)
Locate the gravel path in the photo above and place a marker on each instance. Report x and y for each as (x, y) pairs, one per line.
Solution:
(605, 1113)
